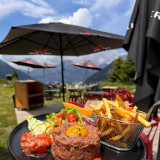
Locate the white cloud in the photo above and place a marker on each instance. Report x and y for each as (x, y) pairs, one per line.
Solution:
(34, 8)
(82, 17)
(46, 20)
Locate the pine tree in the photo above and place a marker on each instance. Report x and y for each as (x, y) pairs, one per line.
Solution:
(123, 71)
(15, 75)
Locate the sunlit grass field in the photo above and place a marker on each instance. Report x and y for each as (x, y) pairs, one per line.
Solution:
(8, 118)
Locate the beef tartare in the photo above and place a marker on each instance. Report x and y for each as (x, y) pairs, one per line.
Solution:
(72, 141)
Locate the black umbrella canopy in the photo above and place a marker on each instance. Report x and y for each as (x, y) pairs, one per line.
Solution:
(58, 39)
(87, 64)
(28, 62)
(48, 65)
(142, 42)
(76, 40)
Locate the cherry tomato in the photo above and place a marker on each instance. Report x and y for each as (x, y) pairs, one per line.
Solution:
(41, 150)
(41, 142)
(31, 143)
(23, 137)
(48, 140)
(60, 115)
(33, 149)
(71, 117)
(72, 120)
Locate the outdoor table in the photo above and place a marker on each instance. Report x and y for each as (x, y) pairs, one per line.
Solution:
(50, 93)
(106, 153)
(109, 89)
(96, 93)
(77, 89)
(75, 94)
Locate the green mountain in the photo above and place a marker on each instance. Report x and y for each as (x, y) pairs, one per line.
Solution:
(7, 69)
(100, 75)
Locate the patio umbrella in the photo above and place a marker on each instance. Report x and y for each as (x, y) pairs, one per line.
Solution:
(58, 39)
(88, 65)
(47, 65)
(142, 42)
(28, 62)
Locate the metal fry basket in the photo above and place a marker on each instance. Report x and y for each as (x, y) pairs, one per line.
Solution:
(118, 134)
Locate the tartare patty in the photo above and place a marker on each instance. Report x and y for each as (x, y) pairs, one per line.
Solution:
(82, 146)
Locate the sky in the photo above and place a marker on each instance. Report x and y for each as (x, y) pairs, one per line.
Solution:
(106, 15)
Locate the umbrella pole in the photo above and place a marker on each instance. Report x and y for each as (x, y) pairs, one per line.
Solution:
(85, 76)
(44, 75)
(61, 52)
(28, 73)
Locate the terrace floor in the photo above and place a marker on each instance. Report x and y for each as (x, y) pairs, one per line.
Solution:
(21, 114)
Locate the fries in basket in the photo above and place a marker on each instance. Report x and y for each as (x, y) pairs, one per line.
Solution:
(120, 124)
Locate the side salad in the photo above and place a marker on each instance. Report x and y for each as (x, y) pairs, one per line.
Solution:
(53, 120)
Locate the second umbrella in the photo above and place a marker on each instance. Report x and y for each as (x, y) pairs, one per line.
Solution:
(28, 62)
(88, 65)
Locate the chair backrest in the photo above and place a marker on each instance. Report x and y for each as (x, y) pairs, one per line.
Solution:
(125, 94)
(154, 127)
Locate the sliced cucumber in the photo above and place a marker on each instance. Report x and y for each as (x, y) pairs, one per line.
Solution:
(36, 124)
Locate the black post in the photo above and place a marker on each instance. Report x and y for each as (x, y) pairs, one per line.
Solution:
(61, 52)
(44, 75)
(28, 73)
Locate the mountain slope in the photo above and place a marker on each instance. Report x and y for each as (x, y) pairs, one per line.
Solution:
(71, 73)
(7, 69)
(100, 75)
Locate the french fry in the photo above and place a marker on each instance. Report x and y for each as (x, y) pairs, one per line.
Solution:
(126, 120)
(135, 109)
(98, 122)
(136, 118)
(107, 107)
(120, 101)
(103, 124)
(116, 103)
(122, 113)
(93, 106)
(107, 132)
(119, 127)
(140, 119)
(115, 132)
(100, 105)
(116, 138)
(143, 115)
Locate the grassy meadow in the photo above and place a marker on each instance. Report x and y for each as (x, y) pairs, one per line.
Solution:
(8, 118)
